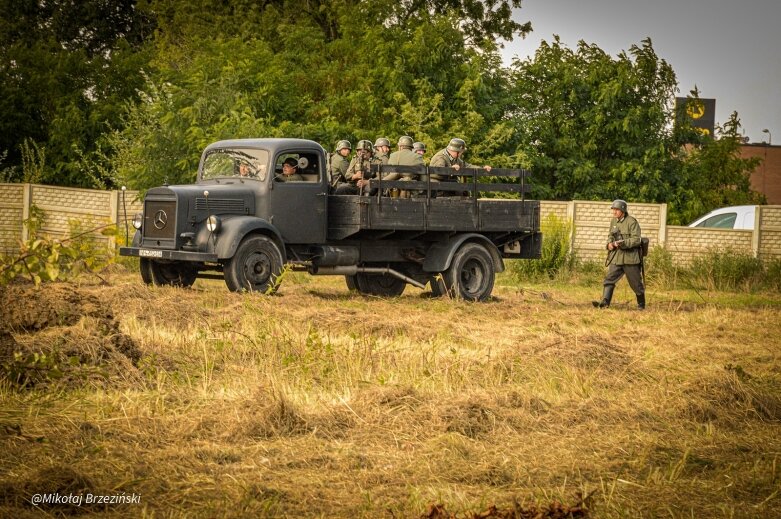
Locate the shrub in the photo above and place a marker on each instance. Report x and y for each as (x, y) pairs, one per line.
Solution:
(660, 270)
(556, 252)
(773, 274)
(726, 270)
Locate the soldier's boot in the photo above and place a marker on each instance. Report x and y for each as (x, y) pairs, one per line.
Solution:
(607, 296)
(641, 301)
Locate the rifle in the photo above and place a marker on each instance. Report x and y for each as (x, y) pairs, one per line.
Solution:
(617, 238)
(360, 168)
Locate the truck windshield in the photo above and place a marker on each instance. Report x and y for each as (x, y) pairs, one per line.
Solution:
(235, 162)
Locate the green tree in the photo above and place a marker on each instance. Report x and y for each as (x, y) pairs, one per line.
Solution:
(712, 174)
(285, 76)
(599, 127)
(66, 69)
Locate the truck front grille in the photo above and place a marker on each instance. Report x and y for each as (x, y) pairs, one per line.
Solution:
(221, 205)
(160, 219)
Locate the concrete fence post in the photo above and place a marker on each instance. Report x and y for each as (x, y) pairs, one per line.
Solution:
(662, 224)
(27, 202)
(114, 218)
(755, 234)
(571, 218)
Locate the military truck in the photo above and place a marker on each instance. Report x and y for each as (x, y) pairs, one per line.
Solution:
(243, 221)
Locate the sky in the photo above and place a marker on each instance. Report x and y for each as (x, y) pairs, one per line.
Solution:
(731, 50)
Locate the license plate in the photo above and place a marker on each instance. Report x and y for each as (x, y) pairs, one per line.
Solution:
(149, 253)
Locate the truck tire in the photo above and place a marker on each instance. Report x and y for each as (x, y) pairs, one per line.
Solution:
(352, 284)
(379, 285)
(174, 274)
(255, 266)
(145, 264)
(471, 274)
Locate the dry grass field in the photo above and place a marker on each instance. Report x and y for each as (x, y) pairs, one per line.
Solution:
(318, 402)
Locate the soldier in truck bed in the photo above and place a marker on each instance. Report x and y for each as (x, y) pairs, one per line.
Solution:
(359, 170)
(450, 157)
(339, 162)
(382, 149)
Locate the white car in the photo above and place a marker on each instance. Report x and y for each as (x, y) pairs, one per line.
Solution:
(735, 217)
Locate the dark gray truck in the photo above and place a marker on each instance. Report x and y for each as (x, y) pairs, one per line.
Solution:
(244, 223)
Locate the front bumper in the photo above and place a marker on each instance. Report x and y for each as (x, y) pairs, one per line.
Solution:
(174, 255)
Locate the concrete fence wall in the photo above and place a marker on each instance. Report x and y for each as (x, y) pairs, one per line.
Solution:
(591, 222)
(591, 225)
(61, 205)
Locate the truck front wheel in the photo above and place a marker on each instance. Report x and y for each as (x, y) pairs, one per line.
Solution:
(255, 267)
(175, 274)
(470, 276)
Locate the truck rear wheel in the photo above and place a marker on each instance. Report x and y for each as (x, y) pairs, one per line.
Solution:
(255, 266)
(175, 274)
(352, 284)
(379, 284)
(470, 276)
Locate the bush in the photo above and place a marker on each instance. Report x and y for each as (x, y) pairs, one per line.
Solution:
(556, 252)
(773, 274)
(660, 270)
(727, 270)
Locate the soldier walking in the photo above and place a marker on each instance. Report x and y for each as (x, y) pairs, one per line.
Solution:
(624, 256)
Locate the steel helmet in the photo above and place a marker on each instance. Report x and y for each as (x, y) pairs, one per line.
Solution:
(343, 144)
(620, 205)
(382, 141)
(405, 141)
(364, 145)
(419, 146)
(456, 145)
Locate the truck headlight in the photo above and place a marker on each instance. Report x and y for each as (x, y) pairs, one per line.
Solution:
(213, 223)
(138, 220)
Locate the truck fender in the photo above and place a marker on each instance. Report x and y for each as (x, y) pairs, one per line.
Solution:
(440, 256)
(136, 239)
(234, 229)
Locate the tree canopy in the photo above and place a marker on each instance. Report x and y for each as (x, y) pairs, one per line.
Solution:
(99, 93)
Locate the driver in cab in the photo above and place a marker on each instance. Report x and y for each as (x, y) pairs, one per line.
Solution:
(290, 171)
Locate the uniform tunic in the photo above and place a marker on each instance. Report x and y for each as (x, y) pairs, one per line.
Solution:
(403, 157)
(338, 167)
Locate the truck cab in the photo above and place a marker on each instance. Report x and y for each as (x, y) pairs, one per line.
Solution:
(249, 216)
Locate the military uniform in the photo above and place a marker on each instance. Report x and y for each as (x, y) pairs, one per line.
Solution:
(295, 177)
(403, 157)
(338, 168)
(382, 157)
(443, 159)
(626, 258)
(350, 187)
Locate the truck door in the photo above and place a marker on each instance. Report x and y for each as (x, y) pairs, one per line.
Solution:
(298, 196)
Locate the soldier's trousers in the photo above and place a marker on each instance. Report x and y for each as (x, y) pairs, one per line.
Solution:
(633, 275)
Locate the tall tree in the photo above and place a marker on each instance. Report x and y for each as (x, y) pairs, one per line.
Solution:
(66, 69)
(600, 127)
(285, 75)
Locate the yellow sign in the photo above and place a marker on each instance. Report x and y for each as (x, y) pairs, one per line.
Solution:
(695, 108)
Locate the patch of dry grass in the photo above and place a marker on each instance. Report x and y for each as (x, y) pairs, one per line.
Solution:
(318, 402)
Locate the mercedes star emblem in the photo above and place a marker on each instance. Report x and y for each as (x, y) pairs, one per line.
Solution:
(160, 219)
